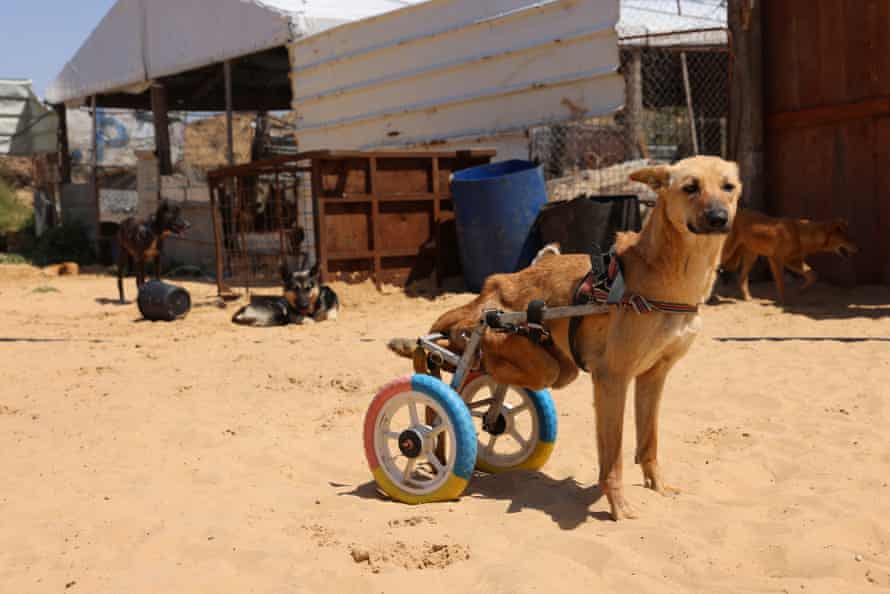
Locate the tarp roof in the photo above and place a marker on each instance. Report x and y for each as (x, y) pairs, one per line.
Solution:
(142, 40)
(27, 127)
(673, 23)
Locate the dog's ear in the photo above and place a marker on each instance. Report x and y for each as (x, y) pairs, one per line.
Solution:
(299, 235)
(314, 272)
(654, 177)
(840, 225)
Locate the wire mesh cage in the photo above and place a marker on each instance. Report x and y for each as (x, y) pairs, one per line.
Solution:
(676, 74)
(263, 218)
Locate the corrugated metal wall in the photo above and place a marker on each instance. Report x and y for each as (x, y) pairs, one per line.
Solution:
(26, 126)
(456, 73)
(827, 85)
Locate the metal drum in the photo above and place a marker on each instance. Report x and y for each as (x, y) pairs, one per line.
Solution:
(160, 301)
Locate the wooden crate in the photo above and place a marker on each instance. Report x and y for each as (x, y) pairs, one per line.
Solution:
(388, 216)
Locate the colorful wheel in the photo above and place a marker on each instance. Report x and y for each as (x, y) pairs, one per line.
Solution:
(419, 440)
(524, 433)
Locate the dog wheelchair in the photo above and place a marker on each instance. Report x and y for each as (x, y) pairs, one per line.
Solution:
(424, 437)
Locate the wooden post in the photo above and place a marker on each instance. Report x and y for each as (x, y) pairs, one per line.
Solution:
(746, 121)
(689, 108)
(230, 139)
(633, 104)
(94, 169)
(215, 189)
(162, 128)
(62, 144)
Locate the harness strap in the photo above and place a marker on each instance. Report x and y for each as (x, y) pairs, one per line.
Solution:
(605, 284)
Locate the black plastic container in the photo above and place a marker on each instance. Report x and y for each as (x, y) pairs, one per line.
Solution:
(159, 301)
(580, 224)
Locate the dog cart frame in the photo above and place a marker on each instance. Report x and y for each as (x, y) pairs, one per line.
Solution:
(469, 422)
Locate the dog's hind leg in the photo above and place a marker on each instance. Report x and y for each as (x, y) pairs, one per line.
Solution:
(122, 263)
(609, 397)
(158, 267)
(517, 361)
(778, 269)
(647, 401)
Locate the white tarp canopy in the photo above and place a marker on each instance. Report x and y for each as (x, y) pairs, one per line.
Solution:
(673, 22)
(27, 127)
(142, 40)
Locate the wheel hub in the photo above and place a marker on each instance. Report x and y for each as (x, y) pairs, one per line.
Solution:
(411, 443)
(499, 427)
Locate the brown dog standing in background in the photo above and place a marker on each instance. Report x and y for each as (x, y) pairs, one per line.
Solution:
(673, 259)
(143, 241)
(785, 243)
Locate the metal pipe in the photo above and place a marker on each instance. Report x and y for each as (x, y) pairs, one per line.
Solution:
(466, 361)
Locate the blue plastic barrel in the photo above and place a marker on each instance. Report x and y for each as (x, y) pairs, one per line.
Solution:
(495, 208)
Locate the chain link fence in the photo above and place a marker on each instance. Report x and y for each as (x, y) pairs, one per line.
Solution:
(675, 62)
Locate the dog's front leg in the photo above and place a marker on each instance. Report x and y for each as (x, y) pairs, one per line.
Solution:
(647, 400)
(609, 395)
(140, 273)
(158, 267)
(748, 260)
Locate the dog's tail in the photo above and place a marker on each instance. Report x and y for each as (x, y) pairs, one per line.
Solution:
(548, 251)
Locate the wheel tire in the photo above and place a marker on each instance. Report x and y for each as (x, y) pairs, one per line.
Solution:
(544, 410)
(462, 439)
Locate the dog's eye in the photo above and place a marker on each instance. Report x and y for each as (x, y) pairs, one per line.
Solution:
(691, 188)
(728, 187)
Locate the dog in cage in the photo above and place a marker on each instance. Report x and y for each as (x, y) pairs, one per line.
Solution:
(304, 301)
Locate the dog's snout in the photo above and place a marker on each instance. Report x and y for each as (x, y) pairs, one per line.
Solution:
(717, 217)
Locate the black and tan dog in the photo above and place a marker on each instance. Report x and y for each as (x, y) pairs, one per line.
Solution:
(143, 241)
(305, 300)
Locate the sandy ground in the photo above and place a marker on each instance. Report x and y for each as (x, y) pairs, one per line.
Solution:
(200, 457)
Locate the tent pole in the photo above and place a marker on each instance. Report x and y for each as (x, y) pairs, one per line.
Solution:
(94, 175)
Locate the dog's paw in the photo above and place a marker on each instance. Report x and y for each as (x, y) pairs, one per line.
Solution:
(403, 347)
(619, 507)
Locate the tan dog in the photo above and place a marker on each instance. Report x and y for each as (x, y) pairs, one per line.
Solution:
(785, 243)
(673, 259)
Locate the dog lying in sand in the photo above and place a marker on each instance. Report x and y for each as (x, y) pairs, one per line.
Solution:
(673, 260)
(305, 301)
(785, 243)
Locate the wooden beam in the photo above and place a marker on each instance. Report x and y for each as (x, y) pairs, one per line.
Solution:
(162, 128)
(689, 108)
(830, 114)
(746, 125)
(635, 140)
(62, 144)
(230, 141)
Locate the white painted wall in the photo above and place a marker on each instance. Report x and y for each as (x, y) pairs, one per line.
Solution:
(456, 74)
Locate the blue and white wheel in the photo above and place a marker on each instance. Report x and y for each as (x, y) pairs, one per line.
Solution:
(419, 440)
(524, 434)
